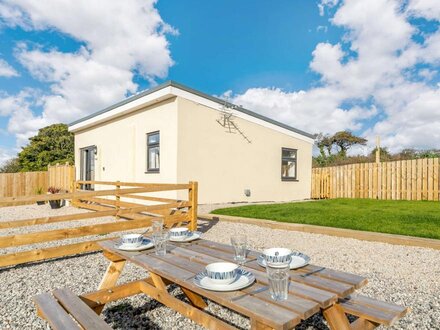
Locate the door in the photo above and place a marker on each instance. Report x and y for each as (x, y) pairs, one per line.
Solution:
(87, 168)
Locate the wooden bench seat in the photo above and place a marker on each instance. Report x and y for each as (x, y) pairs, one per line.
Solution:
(371, 312)
(65, 310)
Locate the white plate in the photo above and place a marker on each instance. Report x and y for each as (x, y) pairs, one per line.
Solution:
(194, 235)
(243, 280)
(298, 260)
(146, 244)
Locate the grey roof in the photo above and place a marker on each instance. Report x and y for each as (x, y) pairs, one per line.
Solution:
(196, 92)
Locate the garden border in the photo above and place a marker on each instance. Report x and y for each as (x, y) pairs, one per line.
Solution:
(340, 232)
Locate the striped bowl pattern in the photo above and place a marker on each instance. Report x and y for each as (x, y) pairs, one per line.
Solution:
(132, 239)
(179, 232)
(240, 272)
(222, 272)
(284, 255)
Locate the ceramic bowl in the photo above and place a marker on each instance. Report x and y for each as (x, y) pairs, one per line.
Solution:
(179, 232)
(277, 255)
(132, 240)
(222, 272)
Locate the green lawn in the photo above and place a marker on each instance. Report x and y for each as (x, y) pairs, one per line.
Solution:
(413, 218)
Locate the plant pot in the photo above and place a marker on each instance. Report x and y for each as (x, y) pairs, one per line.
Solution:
(41, 202)
(55, 204)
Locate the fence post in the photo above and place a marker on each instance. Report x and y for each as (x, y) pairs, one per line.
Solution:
(192, 210)
(76, 186)
(118, 198)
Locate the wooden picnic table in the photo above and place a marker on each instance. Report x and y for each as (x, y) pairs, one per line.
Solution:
(311, 288)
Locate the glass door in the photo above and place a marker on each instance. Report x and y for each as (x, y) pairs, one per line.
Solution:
(87, 168)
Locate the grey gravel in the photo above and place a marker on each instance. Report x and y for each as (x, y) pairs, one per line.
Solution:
(405, 275)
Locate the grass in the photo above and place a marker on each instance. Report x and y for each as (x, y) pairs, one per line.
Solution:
(412, 218)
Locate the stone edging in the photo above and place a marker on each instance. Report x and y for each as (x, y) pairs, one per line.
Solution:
(350, 233)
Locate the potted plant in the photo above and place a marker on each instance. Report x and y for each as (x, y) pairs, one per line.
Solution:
(56, 203)
(39, 191)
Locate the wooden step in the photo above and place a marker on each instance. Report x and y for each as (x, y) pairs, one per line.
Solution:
(79, 310)
(49, 309)
(377, 311)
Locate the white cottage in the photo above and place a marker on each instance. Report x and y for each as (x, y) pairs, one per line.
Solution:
(174, 134)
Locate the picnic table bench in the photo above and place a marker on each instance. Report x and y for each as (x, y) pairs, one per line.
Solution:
(311, 289)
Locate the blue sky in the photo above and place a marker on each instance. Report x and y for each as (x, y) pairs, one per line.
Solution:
(321, 66)
(221, 47)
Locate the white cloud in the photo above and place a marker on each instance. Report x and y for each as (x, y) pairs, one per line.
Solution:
(6, 70)
(429, 9)
(23, 124)
(5, 155)
(326, 3)
(322, 28)
(120, 39)
(365, 78)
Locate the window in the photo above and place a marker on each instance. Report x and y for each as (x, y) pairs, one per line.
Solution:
(153, 154)
(288, 164)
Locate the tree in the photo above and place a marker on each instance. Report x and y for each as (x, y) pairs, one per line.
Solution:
(384, 154)
(10, 166)
(324, 142)
(53, 144)
(344, 140)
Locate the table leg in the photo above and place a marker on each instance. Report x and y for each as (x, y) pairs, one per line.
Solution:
(158, 282)
(194, 298)
(362, 324)
(110, 278)
(158, 292)
(336, 318)
(256, 325)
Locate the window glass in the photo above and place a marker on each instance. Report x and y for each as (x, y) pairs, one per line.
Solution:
(289, 169)
(288, 164)
(153, 138)
(153, 152)
(153, 158)
(289, 153)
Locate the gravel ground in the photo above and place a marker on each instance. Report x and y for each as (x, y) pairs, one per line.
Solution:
(404, 275)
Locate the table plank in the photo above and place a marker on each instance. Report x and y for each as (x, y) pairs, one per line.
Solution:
(304, 308)
(341, 289)
(353, 279)
(319, 287)
(278, 318)
(322, 297)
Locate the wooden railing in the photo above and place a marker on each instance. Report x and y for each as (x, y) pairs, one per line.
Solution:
(416, 179)
(104, 203)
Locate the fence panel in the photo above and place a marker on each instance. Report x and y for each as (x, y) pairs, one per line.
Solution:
(22, 184)
(414, 179)
(61, 176)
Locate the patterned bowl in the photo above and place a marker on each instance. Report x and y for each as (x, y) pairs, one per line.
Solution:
(132, 240)
(179, 232)
(277, 256)
(222, 272)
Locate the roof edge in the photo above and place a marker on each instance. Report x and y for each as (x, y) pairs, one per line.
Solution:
(175, 84)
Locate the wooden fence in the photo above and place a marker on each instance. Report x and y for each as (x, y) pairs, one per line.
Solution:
(61, 176)
(28, 183)
(22, 184)
(416, 179)
(104, 203)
